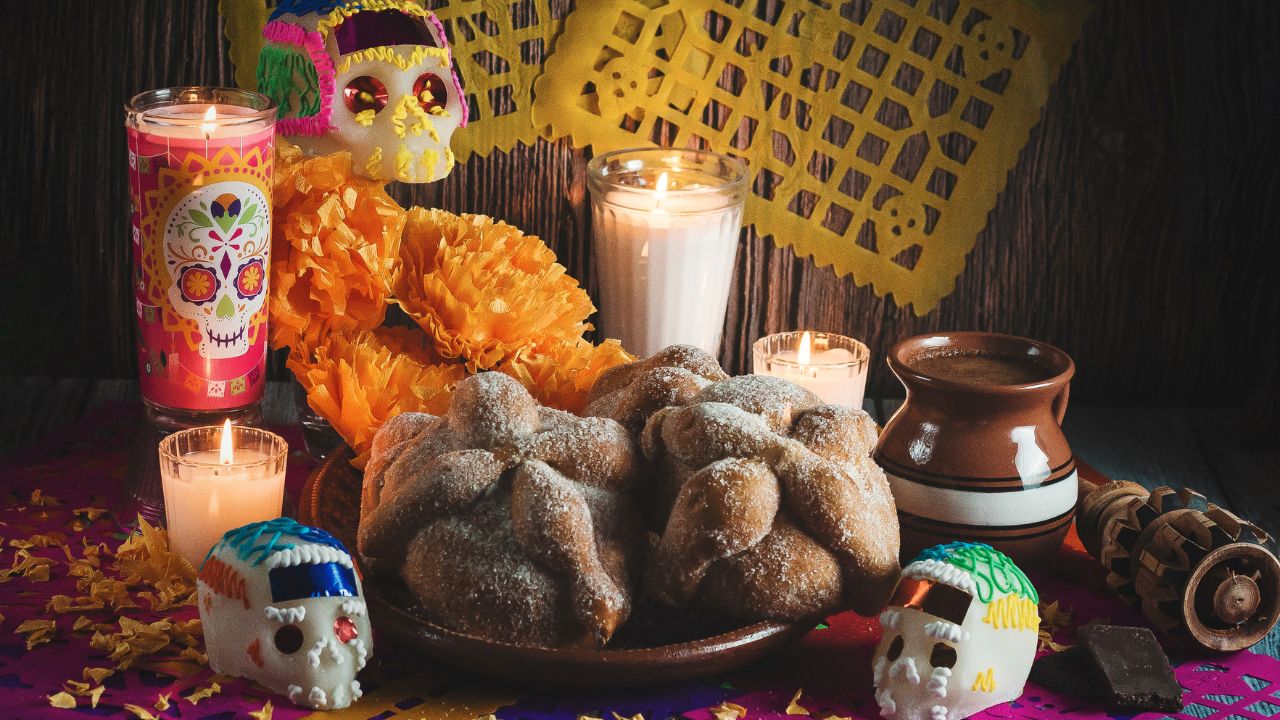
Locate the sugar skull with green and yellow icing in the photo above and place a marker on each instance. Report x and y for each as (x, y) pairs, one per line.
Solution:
(959, 635)
(374, 77)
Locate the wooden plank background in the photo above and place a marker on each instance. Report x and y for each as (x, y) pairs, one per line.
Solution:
(1129, 233)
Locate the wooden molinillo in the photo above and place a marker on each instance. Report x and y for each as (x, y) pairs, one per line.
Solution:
(1191, 566)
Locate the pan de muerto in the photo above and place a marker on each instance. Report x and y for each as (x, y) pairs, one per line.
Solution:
(507, 520)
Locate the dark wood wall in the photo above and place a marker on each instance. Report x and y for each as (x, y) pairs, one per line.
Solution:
(1132, 231)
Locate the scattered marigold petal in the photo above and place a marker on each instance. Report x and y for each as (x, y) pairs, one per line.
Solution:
(62, 701)
(203, 693)
(263, 714)
(794, 707)
(162, 702)
(728, 711)
(140, 712)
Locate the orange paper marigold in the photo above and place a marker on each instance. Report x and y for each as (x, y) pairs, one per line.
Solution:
(559, 374)
(483, 289)
(334, 246)
(358, 380)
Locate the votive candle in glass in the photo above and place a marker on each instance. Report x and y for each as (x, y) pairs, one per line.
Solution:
(833, 367)
(216, 479)
(665, 226)
(200, 163)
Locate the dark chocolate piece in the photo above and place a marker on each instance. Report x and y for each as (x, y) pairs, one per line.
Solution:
(1131, 668)
(1070, 672)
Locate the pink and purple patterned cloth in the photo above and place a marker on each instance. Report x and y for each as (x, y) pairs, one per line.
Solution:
(84, 466)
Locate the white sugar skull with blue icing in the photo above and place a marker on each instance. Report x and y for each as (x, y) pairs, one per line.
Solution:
(959, 635)
(281, 604)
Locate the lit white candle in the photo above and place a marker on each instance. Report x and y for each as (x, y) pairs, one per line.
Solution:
(209, 491)
(836, 372)
(665, 227)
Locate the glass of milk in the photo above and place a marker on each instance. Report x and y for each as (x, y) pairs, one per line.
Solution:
(217, 479)
(665, 226)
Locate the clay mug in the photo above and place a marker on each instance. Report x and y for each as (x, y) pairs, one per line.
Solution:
(976, 452)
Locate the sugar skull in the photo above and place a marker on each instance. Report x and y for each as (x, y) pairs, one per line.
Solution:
(281, 604)
(217, 247)
(959, 635)
(374, 77)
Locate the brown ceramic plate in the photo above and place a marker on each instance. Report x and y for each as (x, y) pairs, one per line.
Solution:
(656, 645)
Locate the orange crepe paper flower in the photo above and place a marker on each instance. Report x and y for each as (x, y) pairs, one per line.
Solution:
(483, 289)
(357, 382)
(559, 374)
(334, 245)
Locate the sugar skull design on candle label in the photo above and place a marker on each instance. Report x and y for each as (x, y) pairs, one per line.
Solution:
(959, 635)
(374, 77)
(216, 249)
(202, 244)
(281, 603)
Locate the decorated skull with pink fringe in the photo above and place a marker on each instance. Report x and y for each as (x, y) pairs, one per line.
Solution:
(374, 77)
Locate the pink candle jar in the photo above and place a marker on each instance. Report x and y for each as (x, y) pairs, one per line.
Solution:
(200, 194)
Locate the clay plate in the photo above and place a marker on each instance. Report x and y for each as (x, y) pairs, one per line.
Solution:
(656, 646)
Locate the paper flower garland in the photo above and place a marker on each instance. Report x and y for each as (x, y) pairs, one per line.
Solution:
(484, 295)
(483, 289)
(334, 244)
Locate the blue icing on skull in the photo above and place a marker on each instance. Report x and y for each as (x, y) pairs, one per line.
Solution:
(258, 541)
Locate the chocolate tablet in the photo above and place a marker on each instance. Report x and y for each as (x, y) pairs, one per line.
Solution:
(1131, 668)
(1069, 672)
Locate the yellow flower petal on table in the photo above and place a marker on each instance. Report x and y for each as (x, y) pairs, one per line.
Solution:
(358, 382)
(728, 711)
(140, 712)
(264, 714)
(162, 702)
(203, 693)
(335, 240)
(62, 701)
(483, 289)
(559, 374)
(95, 695)
(97, 675)
(39, 499)
(37, 631)
(794, 707)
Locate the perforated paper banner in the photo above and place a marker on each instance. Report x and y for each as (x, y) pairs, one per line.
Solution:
(498, 46)
(879, 132)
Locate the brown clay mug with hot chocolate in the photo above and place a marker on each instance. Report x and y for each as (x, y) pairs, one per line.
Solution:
(977, 452)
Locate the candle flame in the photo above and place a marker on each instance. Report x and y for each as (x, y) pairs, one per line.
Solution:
(660, 191)
(208, 125)
(803, 354)
(226, 453)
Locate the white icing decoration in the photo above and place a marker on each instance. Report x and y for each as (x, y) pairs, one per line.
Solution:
(889, 618)
(353, 608)
(317, 698)
(944, 630)
(938, 682)
(938, 712)
(287, 615)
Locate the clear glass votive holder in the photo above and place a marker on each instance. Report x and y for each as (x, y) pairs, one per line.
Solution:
(205, 495)
(833, 367)
(665, 226)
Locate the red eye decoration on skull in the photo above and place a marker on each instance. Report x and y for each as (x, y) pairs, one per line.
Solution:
(198, 284)
(250, 279)
(365, 93)
(345, 629)
(429, 89)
